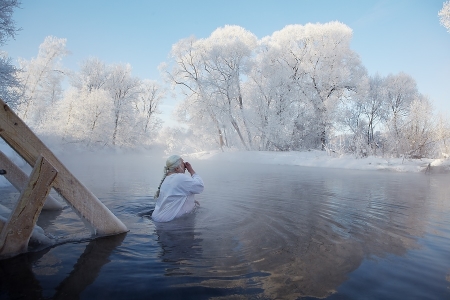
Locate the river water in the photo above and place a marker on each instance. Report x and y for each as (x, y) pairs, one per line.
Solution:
(261, 232)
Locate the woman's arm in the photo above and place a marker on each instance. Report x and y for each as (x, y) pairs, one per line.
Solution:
(197, 184)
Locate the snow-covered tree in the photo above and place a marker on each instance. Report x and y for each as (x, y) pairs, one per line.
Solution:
(106, 107)
(401, 91)
(277, 111)
(442, 137)
(374, 105)
(82, 117)
(147, 105)
(280, 93)
(41, 78)
(365, 110)
(292, 90)
(8, 27)
(93, 75)
(186, 72)
(444, 15)
(418, 131)
(310, 67)
(401, 115)
(9, 83)
(227, 53)
(211, 72)
(332, 70)
(124, 90)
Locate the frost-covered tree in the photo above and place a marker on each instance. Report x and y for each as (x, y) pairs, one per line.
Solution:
(442, 137)
(280, 93)
(444, 15)
(373, 105)
(107, 107)
(211, 72)
(332, 70)
(41, 78)
(364, 113)
(401, 91)
(186, 72)
(312, 67)
(291, 91)
(277, 112)
(147, 106)
(9, 82)
(418, 129)
(93, 75)
(82, 117)
(124, 90)
(227, 53)
(394, 107)
(132, 105)
(8, 27)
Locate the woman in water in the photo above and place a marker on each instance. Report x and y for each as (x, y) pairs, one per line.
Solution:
(175, 194)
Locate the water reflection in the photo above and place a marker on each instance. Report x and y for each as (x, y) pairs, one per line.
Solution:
(180, 244)
(19, 281)
(308, 233)
(262, 232)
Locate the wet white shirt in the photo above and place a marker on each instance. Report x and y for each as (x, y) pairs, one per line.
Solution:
(176, 196)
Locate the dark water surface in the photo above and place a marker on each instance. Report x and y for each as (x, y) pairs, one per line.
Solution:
(262, 232)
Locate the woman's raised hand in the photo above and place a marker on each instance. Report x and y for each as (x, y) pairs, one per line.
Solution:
(189, 168)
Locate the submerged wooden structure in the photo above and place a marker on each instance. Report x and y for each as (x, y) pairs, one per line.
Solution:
(48, 172)
(19, 180)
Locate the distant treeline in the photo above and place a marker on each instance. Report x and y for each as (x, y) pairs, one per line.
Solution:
(300, 88)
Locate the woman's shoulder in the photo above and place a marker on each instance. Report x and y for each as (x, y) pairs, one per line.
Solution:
(182, 176)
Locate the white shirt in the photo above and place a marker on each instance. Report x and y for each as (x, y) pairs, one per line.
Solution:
(176, 196)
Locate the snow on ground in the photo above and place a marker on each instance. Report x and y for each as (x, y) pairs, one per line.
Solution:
(312, 158)
(322, 159)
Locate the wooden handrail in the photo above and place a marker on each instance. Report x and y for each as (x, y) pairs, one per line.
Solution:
(17, 134)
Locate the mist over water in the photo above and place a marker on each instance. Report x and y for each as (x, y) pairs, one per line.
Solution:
(265, 232)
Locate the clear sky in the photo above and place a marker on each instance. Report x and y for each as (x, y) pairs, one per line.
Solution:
(389, 35)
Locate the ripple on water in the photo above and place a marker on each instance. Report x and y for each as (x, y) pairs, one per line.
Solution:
(278, 232)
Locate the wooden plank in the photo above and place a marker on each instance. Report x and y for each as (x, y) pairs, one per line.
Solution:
(17, 134)
(19, 179)
(17, 231)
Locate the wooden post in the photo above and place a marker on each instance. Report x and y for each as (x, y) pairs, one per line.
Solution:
(17, 231)
(17, 134)
(19, 179)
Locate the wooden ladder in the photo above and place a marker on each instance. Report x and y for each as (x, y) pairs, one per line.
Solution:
(47, 172)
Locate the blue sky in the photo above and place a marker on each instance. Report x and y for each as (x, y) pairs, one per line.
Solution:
(389, 35)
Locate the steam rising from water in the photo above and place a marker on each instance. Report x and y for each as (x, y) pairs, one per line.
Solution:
(270, 232)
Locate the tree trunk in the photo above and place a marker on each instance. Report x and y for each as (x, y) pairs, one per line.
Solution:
(241, 107)
(116, 125)
(236, 127)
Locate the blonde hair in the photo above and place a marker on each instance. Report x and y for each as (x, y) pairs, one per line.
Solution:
(172, 163)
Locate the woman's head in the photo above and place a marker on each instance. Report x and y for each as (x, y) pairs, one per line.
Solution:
(172, 163)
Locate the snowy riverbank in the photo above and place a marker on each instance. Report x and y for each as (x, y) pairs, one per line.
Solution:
(315, 158)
